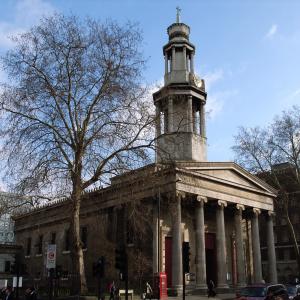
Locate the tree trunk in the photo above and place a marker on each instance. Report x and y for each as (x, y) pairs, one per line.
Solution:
(294, 240)
(79, 286)
(291, 229)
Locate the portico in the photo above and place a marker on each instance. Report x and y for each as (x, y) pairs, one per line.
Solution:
(219, 197)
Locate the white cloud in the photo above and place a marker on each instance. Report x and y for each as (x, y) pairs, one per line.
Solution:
(154, 87)
(292, 98)
(25, 14)
(212, 77)
(30, 11)
(215, 101)
(295, 94)
(3, 78)
(272, 31)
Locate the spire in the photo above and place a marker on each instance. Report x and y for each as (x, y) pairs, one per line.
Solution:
(178, 14)
(180, 111)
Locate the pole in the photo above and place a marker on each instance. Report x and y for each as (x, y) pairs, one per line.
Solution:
(51, 271)
(126, 276)
(183, 285)
(99, 287)
(17, 287)
(158, 230)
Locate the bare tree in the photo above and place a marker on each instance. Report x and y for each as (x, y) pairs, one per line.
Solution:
(274, 154)
(74, 112)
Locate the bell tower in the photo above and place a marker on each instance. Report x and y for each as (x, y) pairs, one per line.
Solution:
(180, 103)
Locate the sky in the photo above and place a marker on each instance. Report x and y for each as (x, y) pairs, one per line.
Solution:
(248, 52)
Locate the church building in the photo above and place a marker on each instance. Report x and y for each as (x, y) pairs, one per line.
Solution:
(211, 207)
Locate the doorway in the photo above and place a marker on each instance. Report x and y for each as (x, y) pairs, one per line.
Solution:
(210, 253)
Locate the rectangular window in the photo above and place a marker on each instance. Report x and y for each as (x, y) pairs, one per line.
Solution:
(280, 254)
(28, 246)
(129, 233)
(40, 245)
(292, 254)
(53, 238)
(7, 266)
(83, 237)
(264, 254)
(67, 240)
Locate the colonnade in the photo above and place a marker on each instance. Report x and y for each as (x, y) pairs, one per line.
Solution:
(187, 57)
(200, 259)
(190, 125)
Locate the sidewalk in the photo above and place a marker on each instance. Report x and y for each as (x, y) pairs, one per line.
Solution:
(203, 297)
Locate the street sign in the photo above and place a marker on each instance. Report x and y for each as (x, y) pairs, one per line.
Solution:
(19, 280)
(51, 256)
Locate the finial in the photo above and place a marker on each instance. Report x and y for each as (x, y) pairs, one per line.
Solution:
(178, 14)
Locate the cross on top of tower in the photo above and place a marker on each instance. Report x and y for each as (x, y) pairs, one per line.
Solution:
(178, 14)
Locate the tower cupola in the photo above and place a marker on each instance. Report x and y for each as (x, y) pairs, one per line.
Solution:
(180, 104)
(178, 53)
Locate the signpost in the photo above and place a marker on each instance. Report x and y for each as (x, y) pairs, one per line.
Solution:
(51, 256)
(50, 265)
(17, 281)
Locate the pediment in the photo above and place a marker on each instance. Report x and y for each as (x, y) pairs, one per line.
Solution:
(230, 174)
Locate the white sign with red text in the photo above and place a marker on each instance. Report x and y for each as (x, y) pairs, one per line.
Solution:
(51, 256)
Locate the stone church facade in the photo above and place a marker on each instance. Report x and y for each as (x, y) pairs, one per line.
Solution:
(215, 207)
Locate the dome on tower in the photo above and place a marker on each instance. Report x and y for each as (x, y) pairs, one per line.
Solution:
(178, 32)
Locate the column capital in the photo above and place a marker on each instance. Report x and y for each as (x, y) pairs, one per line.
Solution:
(201, 199)
(180, 194)
(222, 203)
(256, 211)
(173, 196)
(240, 207)
(271, 213)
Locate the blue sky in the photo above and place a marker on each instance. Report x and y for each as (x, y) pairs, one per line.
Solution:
(248, 51)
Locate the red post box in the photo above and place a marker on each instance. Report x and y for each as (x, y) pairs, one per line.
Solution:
(160, 285)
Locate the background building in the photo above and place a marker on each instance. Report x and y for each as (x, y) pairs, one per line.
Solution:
(8, 247)
(287, 267)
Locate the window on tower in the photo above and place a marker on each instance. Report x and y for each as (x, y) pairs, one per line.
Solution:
(166, 121)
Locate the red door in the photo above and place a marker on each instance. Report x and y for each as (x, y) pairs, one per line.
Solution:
(168, 260)
(210, 253)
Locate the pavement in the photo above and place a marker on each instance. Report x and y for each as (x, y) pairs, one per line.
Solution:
(203, 297)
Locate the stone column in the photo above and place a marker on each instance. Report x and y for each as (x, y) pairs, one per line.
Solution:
(257, 270)
(192, 62)
(271, 249)
(170, 114)
(173, 59)
(157, 123)
(187, 62)
(240, 259)
(184, 57)
(202, 121)
(189, 114)
(155, 256)
(194, 121)
(221, 246)
(200, 244)
(166, 64)
(176, 244)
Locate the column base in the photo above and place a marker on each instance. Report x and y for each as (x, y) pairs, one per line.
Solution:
(241, 285)
(176, 290)
(222, 288)
(201, 286)
(200, 289)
